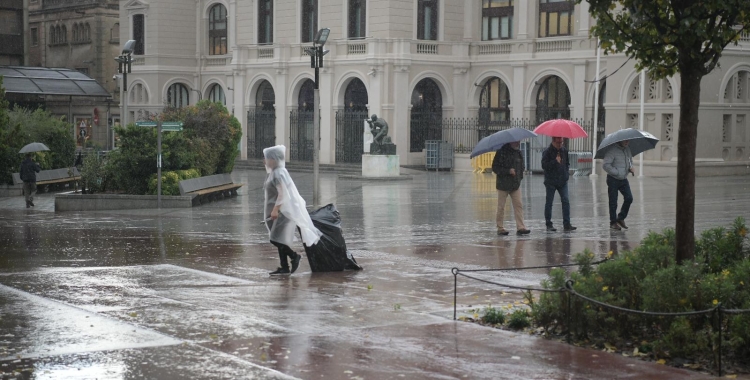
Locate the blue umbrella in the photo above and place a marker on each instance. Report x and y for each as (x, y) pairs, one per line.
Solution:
(640, 141)
(496, 140)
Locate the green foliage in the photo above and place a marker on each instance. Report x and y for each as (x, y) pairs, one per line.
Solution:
(648, 278)
(170, 181)
(666, 38)
(93, 174)
(40, 126)
(519, 319)
(208, 144)
(493, 316)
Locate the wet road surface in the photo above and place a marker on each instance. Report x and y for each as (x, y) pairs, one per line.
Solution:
(175, 294)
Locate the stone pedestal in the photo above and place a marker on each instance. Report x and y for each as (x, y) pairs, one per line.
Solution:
(380, 166)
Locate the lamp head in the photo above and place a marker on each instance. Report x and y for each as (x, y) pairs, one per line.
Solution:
(322, 36)
(128, 48)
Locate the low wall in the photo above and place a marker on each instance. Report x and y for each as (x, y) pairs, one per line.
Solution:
(11, 190)
(96, 202)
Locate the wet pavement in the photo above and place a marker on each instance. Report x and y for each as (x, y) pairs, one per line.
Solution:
(177, 294)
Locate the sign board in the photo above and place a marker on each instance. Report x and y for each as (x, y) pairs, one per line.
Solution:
(171, 126)
(145, 123)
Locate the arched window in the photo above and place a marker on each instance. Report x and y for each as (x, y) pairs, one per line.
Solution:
(494, 102)
(216, 94)
(75, 33)
(552, 100)
(217, 30)
(355, 97)
(426, 114)
(178, 96)
(52, 36)
(265, 98)
(306, 96)
(87, 32)
(64, 33)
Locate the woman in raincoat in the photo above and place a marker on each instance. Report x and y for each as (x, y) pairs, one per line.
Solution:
(285, 210)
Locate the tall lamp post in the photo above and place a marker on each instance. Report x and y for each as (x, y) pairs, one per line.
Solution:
(316, 61)
(124, 62)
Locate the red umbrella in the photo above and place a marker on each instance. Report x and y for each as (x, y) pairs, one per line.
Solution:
(561, 128)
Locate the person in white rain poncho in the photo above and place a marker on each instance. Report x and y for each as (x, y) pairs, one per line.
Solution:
(285, 210)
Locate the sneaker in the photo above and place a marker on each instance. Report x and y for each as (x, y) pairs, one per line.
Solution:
(622, 224)
(502, 231)
(524, 231)
(280, 270)
(551, 229)
(31, 203)
(569, 228)
(295, 262)
(614, 226)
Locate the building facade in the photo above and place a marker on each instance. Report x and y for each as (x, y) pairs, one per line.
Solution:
(82, 35)
(434, 69)
(13, 16)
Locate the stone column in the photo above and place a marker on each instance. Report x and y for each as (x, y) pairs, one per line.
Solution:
(402, 105)
(240, 110)
(518, 89)
(461, 85)
(578, 91)
(583, 19)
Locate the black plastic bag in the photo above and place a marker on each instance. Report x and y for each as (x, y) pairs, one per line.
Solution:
(329, 254)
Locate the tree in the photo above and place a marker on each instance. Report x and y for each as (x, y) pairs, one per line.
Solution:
(667, 37)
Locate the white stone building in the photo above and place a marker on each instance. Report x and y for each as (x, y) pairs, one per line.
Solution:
(476, 63)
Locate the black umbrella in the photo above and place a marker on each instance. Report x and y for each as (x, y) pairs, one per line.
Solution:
(640, 141)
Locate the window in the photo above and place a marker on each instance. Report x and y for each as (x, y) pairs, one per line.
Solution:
(139, 34)
(497, 19)
(34, 36)
(216, 94)
(87, 32)
(178, 96)
(115, 33)
(63, 34)
(494, 101)
(427, 20)
(217, 30)
(555, 18)
(75, 33)
(357, 18)
(265, 21)
(309, 20)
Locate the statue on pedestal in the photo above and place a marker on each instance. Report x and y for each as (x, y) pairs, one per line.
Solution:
(381, 141)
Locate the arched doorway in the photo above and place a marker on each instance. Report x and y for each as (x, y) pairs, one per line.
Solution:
(301, 124)
(426, 114)
(350, 123)
(261, 121)
(552, 100)
(494, 107)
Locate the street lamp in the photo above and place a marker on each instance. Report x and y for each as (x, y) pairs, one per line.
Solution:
(316, 61)
(124, 62)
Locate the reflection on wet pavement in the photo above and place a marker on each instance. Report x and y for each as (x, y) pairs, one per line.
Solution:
(174, 294)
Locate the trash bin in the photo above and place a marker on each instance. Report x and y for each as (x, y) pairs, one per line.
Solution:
(329, 254)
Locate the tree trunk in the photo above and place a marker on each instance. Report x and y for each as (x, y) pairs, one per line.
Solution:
(690, 93)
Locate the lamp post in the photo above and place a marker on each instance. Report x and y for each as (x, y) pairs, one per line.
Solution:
(316, 61)
(124, 63)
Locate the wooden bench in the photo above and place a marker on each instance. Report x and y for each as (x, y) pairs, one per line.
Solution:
(209, 188)
(53, 176)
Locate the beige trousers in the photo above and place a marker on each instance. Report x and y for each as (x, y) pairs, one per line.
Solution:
(515, 198)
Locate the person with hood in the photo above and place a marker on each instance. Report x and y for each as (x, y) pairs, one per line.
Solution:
(28, 171)
(556, 168)
(285, 211)
(508, 166)
(618, 162)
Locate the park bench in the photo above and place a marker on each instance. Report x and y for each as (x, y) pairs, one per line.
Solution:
(52, 176)
(209, 188)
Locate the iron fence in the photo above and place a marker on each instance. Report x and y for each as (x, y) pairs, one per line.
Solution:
(261, 131)
(301, 135)
(350, 135)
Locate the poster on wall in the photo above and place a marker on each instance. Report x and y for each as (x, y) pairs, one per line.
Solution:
(83, 130)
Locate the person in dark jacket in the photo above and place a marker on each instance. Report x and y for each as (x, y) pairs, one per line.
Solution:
(508, 166)
(556, 166)
(28, 171)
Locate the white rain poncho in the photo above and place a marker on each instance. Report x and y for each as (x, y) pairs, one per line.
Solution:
(280, 190)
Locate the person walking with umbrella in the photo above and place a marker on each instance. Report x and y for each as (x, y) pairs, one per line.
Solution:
(618, 162)
(509, 167)
(556, 166)
(28, 171)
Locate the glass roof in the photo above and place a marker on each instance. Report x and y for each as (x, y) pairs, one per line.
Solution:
(49, 81)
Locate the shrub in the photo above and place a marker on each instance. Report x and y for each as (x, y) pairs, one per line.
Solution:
(170, 181)
(93, 174)
(519, 319)
(493, 316)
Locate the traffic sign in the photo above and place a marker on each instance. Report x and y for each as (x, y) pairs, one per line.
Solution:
(171, 126)
(145, 123)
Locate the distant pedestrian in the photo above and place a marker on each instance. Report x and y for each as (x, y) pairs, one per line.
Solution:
(556, 167)
(28, 171)
(509, 167)
(285, 211)
(618, 162)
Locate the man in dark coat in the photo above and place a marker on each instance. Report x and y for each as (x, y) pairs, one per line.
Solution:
(508, 166)
(28, 171)
(556, 171)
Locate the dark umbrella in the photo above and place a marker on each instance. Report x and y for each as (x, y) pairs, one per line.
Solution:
(33, 147)
(640, 141)
(496, 140)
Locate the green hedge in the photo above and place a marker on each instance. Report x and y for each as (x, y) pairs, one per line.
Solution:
(170, 181)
